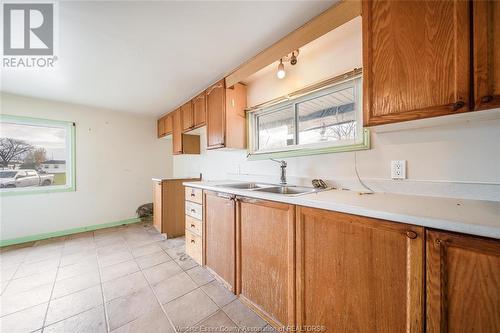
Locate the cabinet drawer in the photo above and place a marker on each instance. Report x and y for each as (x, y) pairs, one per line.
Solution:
(194, 247)
(194, 195)
(194, 210)
(194, 225)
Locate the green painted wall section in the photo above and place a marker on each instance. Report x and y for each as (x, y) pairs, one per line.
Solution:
(6, 242)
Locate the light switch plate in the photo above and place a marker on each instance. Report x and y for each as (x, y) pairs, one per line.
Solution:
(398, 169)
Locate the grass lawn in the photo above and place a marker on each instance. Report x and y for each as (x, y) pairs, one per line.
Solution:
(59, 178)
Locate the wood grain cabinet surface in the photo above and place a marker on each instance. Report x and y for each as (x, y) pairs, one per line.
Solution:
(169, 206)
(168, 124)
(226, 122)
(358, 274)
(199, 110)
(187, 116)
(266, 262)
(416, 59)
(463, 283)
(176, 132)
(220, 236)
(486, 38)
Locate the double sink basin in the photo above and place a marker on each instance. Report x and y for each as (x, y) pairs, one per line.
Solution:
(288, 190)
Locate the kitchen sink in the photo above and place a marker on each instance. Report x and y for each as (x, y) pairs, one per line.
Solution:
(289, 190)
(246, 186)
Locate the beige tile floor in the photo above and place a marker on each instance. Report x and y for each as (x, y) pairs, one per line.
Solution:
(121, 279)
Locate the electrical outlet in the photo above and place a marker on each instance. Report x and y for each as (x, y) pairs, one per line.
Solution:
(398, 169)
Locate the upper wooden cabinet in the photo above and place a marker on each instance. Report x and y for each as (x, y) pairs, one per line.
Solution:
(416, 61)
(226, 122)
(199, 110)
(160, 125)
(463, 283)
(267, 266)
(168, 124)
(176, 132)
(358, 274)
(486, 39)
(165, 125)
(187, 116)
(220, 228)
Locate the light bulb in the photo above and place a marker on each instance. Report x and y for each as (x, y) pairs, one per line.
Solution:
(281, 70)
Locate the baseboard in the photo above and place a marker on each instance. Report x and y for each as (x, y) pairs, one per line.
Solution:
(13, 241)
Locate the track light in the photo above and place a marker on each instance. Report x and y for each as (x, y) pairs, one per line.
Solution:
(281, 70)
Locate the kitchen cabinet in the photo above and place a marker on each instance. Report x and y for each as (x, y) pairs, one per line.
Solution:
(486, 46)
(220, 224)
(160, 125)
(194, 224)
(266, 262)
(199, 110)
(187, 116)
(176, 132)
(226, 122)
(169, 206)
(168, 125)
(463, 283)
(358, 274)
(416, 59)
(183, 143)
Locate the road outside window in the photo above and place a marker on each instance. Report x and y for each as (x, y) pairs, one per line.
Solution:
(36, 155)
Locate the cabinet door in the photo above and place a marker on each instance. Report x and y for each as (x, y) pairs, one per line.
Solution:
(236, 129)
(463, 283)
(220, 236)
(160, 125)
(266, 262)
(216, 112)
(187, 116)
(177, 132)
(358, 274)
(486, 54)
(415, 59)
(199, 110)
(168, 124)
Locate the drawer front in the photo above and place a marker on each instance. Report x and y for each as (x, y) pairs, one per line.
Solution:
(194, 225)
(194, 195)
(194, 246)
(194, 210)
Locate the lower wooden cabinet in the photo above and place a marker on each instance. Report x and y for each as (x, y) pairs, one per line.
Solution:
(266, 262)
(357, 274)
(463, 283)
(220, 236)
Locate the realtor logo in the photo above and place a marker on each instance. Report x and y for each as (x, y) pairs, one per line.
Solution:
(28, 29)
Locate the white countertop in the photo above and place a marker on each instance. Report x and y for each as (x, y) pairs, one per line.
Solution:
(475, 217)
(159, 179)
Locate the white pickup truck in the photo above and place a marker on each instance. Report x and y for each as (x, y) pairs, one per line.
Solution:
(24, 178)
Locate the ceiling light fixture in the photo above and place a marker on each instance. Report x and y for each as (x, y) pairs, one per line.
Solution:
(281, 70)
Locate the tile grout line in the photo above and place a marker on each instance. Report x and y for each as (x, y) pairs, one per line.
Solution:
(154, 293)
(51, 292)
(102, 289)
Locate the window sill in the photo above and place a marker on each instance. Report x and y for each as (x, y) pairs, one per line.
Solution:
(314, 151)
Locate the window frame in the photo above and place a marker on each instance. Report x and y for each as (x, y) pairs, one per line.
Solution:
(362, 141)
(70, 185)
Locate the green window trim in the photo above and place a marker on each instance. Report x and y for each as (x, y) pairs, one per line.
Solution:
(45, 189)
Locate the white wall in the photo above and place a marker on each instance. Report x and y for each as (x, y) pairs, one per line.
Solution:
(456, 159)
(116, 155)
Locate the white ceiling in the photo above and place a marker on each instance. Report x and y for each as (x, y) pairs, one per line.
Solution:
(149, 57)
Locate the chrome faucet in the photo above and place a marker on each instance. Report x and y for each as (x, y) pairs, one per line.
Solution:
(283, 170)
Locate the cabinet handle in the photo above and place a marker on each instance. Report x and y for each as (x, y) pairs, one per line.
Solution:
(458, 105)
(411, 234)
(193, 211)
(192, 194)
(486, 99)
(192, 225)
(192, 240)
